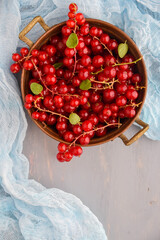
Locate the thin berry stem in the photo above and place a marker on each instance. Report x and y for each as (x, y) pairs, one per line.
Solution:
(105, 47)
(134, 62)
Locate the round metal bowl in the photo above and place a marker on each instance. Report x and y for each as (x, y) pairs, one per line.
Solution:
(114, 32)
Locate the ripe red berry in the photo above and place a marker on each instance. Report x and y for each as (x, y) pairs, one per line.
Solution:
(83, 114)
(51, 120)
(97, 107)
(35, 115)
(42, 56)
(69, 52)
(105, 38)
(93, 31)
(122, 75)
(102, 131)
(85, 60)
(73, 7)
(110, 72)
(70, 23)
(27, 105)
(136, 78)
(75, 102)
(129, 112)
(76, 151)
(49, 69)
(16, 57)
(15, 68)
(68, 156)
(42, 116)
(94, 119)
(84, 140)
(109, 60)
(51, 50)
(24, 51)
(84, 30)
(71, 15)
(109, 95)
(68, 136)
(121, 101)
(132, 94)
(83, 74)
(87, 125)
(62, 147)
(98, 61)
(28, 65)
(112, 45)
(50, 79)
(29, 98)
(107, 112)
(68, 61)
(35, 52)
(80, 18)
(121, 88)
(60, 157)
(60, 126)
(66, 31)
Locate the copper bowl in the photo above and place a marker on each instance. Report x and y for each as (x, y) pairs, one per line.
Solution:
(114, 32)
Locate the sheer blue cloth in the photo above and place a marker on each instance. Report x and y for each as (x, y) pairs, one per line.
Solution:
(27, 209)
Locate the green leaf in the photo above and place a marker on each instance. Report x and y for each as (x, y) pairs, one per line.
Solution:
(36, 88)
(74, 118)
(72, 40)
(58, 65)
(85, 85)
(122, 49)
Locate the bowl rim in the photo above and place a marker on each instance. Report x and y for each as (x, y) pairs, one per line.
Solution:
(115, 28)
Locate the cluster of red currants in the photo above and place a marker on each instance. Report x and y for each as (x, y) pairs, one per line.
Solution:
(88, 79)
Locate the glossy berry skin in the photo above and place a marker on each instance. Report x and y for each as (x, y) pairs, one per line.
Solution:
(51, 120)
(68, 61)
(60, 157)
(121, 88)
(98, 61)
(109, 95)
(128, 58)
(35, 52)
(122, 75)
(29, 98)
(94, 119)
(66, 31)
(28, 65)
(16, 57)
(102, 131)
(49, 69)
(83, 74)
(107, 112)
(35, 115)
(131, 94)
(109, 60)
(51, 50)
(80, 45)
(15, 68)
(68, 156)
(27, 105)
(68, 136)
(121, 101)
(62, 147)
(87, 125)
(110, 72)
(112, 45)
(50, 79)
(129, 112)
(87, 40)
(70, 23)
(60, 126)
(93, 31)
(136, 78)
(73, 7)
(83, 114)
(85, 60)
(75, 102)
(71, 15)
(76, 81)
(42, 56)
(113, 107)
(84, 30)
(76, 151)
(42, 116)
(94, 97)
(77, 129)
(84, 140)
(48, 101)
(105, 38)
(69, 52)
(24, 51)
(80, 19)
(97, 107)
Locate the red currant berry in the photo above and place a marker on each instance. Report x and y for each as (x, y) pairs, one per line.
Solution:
(29, 98)
(35, 52)
(42, 116)
(121, 88)
(51, 50)
(60, 126)
(136, 78)
(71, 15)
(83, 114)
(102, 131)
(15, 68)
(84, 140)
(28, 65)
(87, 126)
(42, 56)
(129, 112)
(68, 136)
(84, 30)
(109, 60)
(93, 31)
(27, 105)
(131, 94)
(60, 157)
(76, 81)
(85, 60)
(35, 115)
(87, 40)
(97, 107)
(16, 57)
(105, 38)
(107, 112)
(73, 7)
(66, 31)
(112, 45)
(110, 72)
(50, 79)
(49, 69)
(70, 23)
(69, 52)
(75, 102)
(24, 52)
(68, 156)
(121, 101)
(77, 129)
(54, 40)
(109, 95)
(94, 119)
(83, 74)
(48, 101)
(51, 120)
(62, 147)
(76, 151)
(68, 61)
(98, 61)
(122, 75)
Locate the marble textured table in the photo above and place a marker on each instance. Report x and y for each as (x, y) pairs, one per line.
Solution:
(120, 184)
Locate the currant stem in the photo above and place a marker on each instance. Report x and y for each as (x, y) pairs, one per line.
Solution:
(45, 110)
(94, 130)
(134, 62)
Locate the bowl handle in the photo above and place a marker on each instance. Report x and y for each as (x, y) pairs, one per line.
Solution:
(127, 141)
(30, 25)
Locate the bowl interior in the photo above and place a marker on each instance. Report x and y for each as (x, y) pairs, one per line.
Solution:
(120, 36)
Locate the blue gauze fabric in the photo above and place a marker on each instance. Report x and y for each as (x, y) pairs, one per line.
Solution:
(27, 209)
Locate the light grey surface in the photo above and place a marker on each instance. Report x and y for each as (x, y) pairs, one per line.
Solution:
(120, 184)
